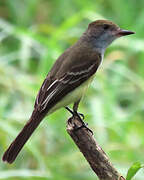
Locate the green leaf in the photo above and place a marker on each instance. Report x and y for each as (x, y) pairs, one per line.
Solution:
(133, 170)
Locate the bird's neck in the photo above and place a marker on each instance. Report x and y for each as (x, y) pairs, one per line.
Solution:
(93, 43)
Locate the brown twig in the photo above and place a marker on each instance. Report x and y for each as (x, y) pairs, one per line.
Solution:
(93, 153)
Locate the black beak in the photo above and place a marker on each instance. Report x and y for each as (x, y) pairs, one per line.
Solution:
(123, 32)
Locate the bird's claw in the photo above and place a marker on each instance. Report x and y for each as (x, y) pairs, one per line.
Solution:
(84, 126)
(79, 115)
(75, 113)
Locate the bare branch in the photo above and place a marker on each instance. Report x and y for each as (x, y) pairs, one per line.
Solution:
(93, 153)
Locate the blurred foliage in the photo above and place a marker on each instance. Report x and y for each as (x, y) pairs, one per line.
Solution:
(33, 33)
(133, 170)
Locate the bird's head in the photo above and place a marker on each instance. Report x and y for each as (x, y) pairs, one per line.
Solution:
(103, 32)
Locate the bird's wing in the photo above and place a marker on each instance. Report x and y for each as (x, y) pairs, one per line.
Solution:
(53, 90)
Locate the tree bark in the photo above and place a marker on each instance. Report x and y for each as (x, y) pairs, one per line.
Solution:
(93, 153)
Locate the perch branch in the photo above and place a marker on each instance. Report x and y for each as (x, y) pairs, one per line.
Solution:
(92, 152)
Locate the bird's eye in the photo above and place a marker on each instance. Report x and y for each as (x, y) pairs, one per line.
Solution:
(106, 26)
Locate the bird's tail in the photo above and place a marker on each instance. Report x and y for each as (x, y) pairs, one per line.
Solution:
(16, 146)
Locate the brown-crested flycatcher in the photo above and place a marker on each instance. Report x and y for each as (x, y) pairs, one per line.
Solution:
(68, 78)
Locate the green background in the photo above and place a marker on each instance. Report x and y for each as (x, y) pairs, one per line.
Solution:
(33, 33)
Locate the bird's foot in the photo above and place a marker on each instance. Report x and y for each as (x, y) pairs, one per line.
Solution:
(84, 125)
(79, 115)
(75, 113)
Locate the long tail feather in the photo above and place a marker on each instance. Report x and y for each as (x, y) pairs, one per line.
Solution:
(16, 146)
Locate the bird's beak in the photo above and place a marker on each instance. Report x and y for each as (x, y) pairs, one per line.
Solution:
(122, 32)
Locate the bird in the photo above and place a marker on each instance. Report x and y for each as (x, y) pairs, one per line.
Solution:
(68, 79)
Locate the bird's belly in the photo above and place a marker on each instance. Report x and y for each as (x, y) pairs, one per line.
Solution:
(73, 96)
